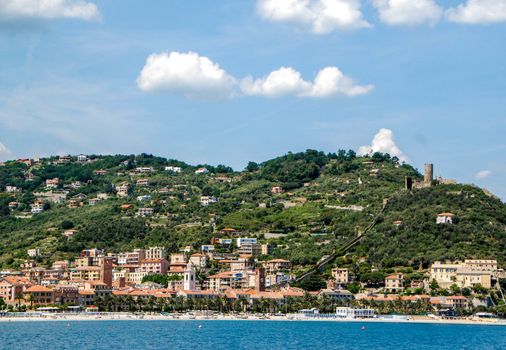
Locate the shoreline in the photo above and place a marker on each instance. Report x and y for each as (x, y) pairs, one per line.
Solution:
(186, 317)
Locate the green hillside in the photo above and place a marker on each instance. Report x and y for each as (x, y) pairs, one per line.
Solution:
(327, 199)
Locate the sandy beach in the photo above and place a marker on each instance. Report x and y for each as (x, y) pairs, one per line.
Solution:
(220, 317)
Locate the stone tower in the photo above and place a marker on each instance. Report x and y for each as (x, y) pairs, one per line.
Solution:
(428, 174)
(189, 277)
(260, 279)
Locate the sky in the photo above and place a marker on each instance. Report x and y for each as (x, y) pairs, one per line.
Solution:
(232, 81)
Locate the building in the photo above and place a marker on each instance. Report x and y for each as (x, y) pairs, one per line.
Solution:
(198, 260)
(276, 265)
(341, 275)
(174, 169)
(142, 182)
(277, 190)
(144, 170)
(267, 249)
(12, 288)
(445, 218)
(154, 253)
(144, 212)
(82, 158)
(245, 240)
(178, 258)
(122, 190)
(251, 249)
(464, 274)
(39, 295)
(201, 171)
(85, 270)
(152, 266)
(394, 283)
(52, 183)
(207, 200)
(348, 312)
(33, 253)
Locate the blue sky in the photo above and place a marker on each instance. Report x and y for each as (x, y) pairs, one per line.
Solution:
(75, 78)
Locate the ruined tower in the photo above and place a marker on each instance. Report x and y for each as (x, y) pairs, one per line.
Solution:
(428, 174)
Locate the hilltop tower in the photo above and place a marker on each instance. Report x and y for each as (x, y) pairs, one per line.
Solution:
(428, 174)
(189, 278)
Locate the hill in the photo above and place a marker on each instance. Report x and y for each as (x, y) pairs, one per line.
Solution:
(306, 204)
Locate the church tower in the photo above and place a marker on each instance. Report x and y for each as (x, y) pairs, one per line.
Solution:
(189, 277)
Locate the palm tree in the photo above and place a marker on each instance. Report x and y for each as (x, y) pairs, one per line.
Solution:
(19, 297)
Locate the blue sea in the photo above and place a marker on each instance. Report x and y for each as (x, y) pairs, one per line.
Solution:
(245, 335)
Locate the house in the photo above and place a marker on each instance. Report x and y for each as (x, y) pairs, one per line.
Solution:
(144, 212)
(445, 218)
(100, 172)
(82, 158)
(13, 205)
(143, 198)
(126, 206)
(397, 223)
(69, 233)
(33, 253)
(143, 170)
(93, 201)
(245, 240)
(227, 279)
(394, 283)
(37, 207)
(142, 182)
(341, 275)
(267, 248)
(74, 203)
(206, 200)
(201, 171)
(174, 169)
(11, 189)
(206, 248)
(277, 190)
(277, 265)
(122, 189)
(52, 183)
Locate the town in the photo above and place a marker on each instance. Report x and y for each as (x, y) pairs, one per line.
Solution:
(231, 269)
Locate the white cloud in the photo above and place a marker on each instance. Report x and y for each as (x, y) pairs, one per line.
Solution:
(15, 10)
(483, 174)
(4, 151)
(197, 76)
(478, 12)
(408, 12)
(322, 16)
(383, 142)
(187, 73)
(329, 81)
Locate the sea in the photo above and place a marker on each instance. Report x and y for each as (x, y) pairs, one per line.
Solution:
(216, 335)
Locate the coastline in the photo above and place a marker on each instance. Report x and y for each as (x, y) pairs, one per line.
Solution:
(187, 317)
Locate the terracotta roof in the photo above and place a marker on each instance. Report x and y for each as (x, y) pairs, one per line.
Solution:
(37, 288)
(278, 261)
(446, 214)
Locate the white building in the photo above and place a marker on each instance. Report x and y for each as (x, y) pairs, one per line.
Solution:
(245, 240)
(174, 169)
(82, 158)
(349, 312)
(33, 253)
(143, 212)
(201, 171)
(156, 253)
(206, 200)
(445, 218)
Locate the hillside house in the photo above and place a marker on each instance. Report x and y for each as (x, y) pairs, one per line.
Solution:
(445, 218)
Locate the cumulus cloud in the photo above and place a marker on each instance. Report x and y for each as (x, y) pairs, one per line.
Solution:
(483, 174)
(193, 75)
(4, 151)
(197, 76)
(329, 81)
(322, 16)
(408, 12)
(22, 10)
(478, 12)
(383, 142)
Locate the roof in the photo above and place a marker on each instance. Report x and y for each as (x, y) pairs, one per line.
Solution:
(278, 261)
(446, 214)
(37, 288)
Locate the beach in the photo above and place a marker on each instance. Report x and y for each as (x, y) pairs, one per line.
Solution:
(59, 317)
